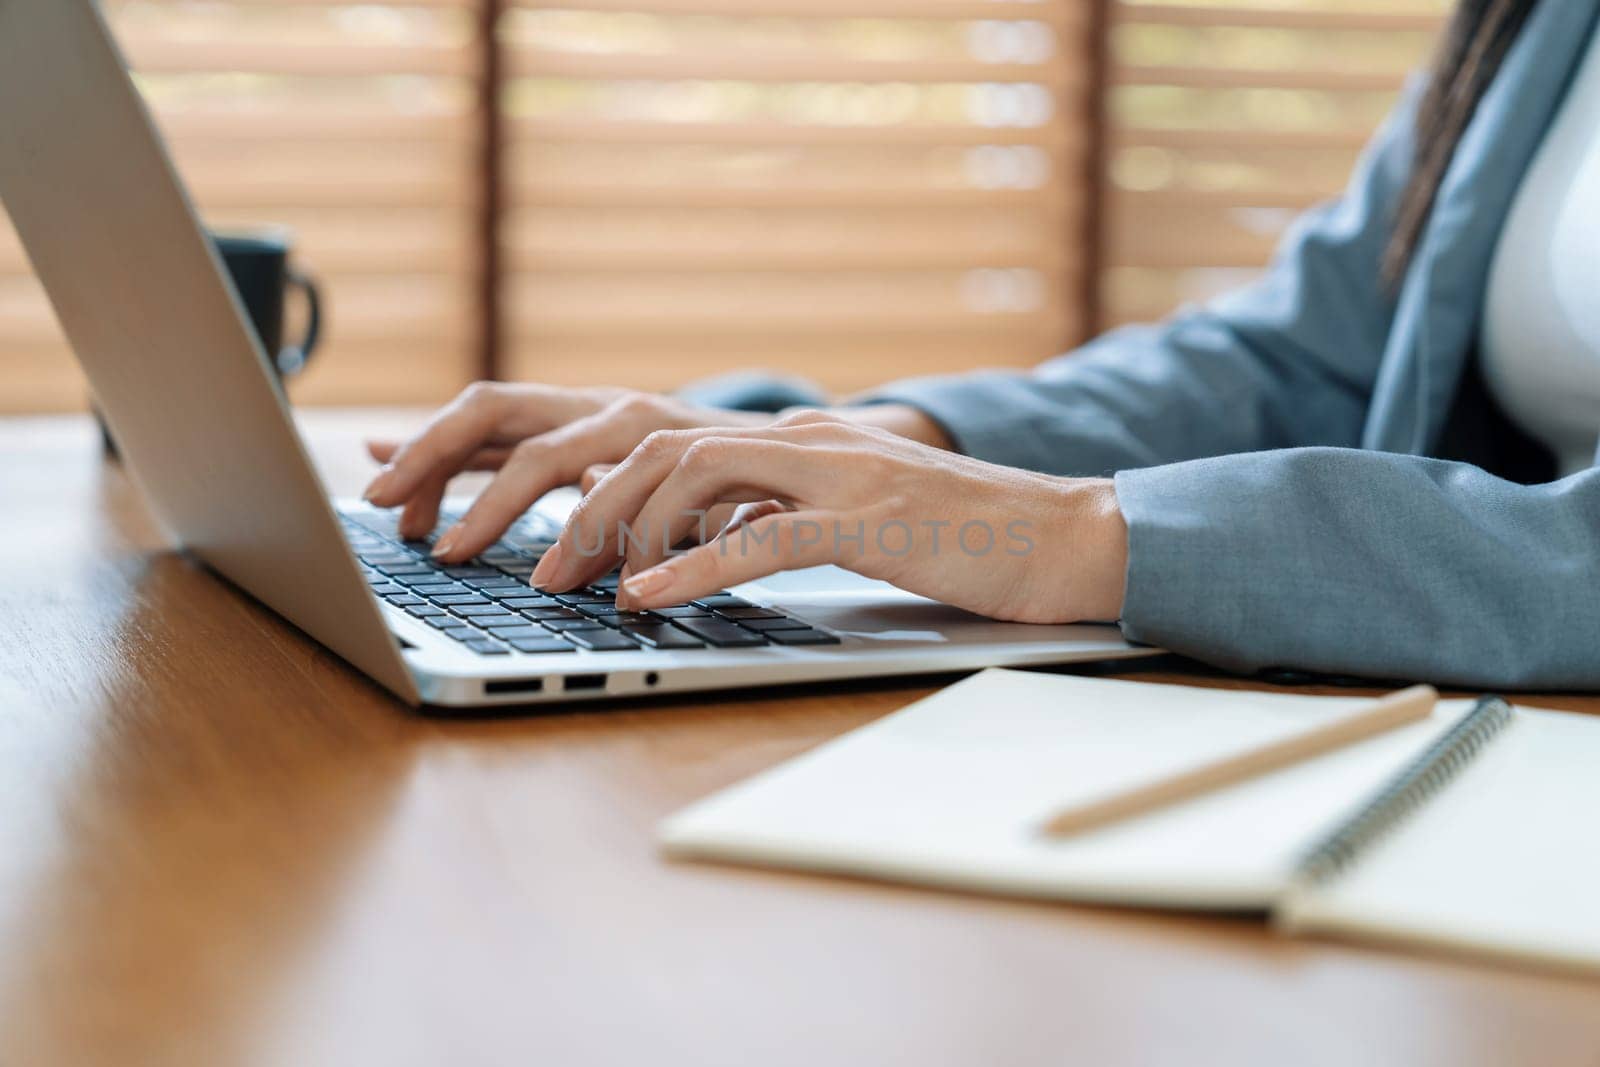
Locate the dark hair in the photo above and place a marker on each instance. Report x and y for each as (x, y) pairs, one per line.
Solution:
(1469, 55)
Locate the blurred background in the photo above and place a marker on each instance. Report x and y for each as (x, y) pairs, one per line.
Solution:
(644, 192)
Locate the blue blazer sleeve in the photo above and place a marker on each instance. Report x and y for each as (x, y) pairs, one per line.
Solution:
(1367, 563)
(1288, 361)
(1258, 536)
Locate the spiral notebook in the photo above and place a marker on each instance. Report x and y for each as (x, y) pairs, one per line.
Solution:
(1483, 839)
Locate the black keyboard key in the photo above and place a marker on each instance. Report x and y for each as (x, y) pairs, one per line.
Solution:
(624, 619)
(580, 597)
(768, 625)
(425, 611)
(387, 589)
(719, 632)
(807, 636)
(484, 611)
(454, 600)
(540, 644)
(442, 621)
(601, 640)
(553, 612)
(503, 584)
(423, 578)
(404, 600)
(598, 611)
(723, 600)
(386, 559)
(462, 633)
(518, 592)
(561, 625)
(434, 592)
(376, 579)
(662, 635)
(506, 622)
(522, 603)
(471, 572)
(485, 647)
(741, 614)
(414, 571)
(682, 611)
(511, 633)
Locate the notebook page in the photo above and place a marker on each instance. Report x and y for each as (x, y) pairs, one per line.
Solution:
(1504, 859)
(951, 791)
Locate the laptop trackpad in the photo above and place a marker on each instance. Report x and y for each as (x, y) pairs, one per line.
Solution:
(849, 604)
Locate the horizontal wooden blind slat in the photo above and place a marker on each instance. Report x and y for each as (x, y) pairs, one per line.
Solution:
(785, 134)
(1328, 80)
(1308, 18)
(921, 10)
(776, 67)
(233, 56)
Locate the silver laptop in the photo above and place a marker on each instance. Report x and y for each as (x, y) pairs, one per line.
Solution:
(188, 395)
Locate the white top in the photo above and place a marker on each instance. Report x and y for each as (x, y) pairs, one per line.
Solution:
(1541, 329)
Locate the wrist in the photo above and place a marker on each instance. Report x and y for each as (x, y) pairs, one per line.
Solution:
(1100, 549)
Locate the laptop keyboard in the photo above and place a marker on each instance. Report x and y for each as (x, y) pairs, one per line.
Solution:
(488, 606)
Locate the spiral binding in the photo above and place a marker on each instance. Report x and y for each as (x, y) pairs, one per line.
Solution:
(1406, 791)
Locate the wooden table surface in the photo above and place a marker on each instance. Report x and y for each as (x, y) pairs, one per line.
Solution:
(219, 845)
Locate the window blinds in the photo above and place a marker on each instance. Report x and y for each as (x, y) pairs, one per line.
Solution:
(852, 190)
(349, 123)
(1226, 121)
(848, 189)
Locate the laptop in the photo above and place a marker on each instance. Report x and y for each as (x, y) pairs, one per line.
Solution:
(205, 431)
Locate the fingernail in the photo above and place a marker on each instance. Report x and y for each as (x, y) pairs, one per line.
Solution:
(549, 566)
(443, 546)
(652, 582)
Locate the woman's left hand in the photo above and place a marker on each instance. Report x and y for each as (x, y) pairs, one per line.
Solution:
(1004, 543)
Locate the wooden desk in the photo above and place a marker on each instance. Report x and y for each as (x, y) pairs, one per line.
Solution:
(218, 845)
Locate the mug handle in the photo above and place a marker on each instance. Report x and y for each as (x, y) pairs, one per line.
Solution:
(294, 358)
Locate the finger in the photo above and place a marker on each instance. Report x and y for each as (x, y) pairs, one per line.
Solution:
(745, 513)
(593, 473)
(421, 513)
(766, 546)
(534, 467)
(717, 520)
(593, 539)
(735, 470)
(587, 546)
(485, 459)
(455, 434)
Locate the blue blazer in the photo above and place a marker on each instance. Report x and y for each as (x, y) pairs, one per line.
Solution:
(1307, 467)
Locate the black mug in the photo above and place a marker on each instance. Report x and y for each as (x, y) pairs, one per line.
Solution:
(258, 263)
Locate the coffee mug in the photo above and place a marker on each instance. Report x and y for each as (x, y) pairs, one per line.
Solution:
(258, 263)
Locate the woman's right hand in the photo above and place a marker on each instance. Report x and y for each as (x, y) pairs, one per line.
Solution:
(537, 437)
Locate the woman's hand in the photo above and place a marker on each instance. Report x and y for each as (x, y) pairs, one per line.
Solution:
(538, 438)
(1001, 542)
